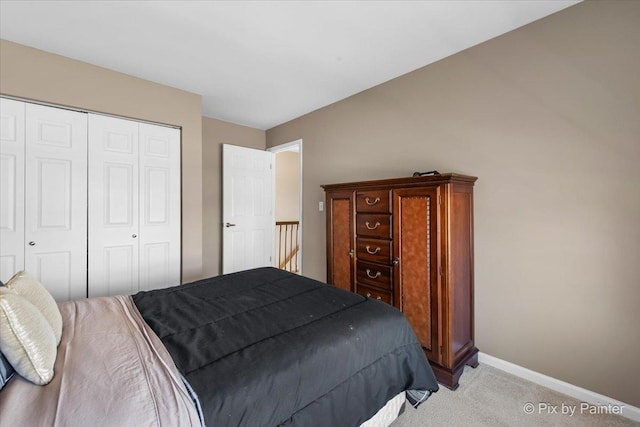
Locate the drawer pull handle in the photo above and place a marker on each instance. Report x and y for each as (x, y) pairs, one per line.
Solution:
(371, 203)
(369, 296)
(369, 251)
(377, 224)
(373, 276)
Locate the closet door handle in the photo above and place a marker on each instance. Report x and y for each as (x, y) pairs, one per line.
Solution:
(371, 203)
(228, 224)
(32, 243)
(370, 227)
(373, 276)
(134, 235)
(369, 251)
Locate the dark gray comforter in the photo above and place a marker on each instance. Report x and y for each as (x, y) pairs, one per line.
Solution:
(265, 347)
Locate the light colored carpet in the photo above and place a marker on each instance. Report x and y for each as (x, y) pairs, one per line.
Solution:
(490, 397)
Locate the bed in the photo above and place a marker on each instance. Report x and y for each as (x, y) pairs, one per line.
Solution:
(262, 347)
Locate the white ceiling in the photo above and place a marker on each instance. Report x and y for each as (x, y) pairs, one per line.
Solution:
(262, 63)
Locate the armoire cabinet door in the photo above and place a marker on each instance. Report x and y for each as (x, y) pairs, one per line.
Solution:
(56, 200)
(340, 240)
(113, 206)
(12, 152)
(416, 275)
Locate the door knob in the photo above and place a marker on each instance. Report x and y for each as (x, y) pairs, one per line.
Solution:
(228, 224)
(134, 235)
(32, 243)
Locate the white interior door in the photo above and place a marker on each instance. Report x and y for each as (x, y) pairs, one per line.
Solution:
(248, 208)
(12, 151)
(159, 206)
(56, 200)
(113, 206)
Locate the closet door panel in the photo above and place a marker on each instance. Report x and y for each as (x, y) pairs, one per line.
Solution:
(56, 200)
(120, 264)
(113, 206)
(12, 151)
(159, 206)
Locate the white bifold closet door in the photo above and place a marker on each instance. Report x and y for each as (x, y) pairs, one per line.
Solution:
(134, 206)
(12, 153)
(159, 206)
(43, 190)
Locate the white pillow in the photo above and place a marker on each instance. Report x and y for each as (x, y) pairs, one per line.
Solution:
(26, 339)
(25, 285)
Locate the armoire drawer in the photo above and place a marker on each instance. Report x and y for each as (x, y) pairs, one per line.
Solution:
(373, 274)
(373, 201)
(368, 292)
(374, 225)
(374, 250)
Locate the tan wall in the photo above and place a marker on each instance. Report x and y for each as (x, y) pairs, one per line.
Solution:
(41, 76)
(287, 186)
(214, 134)
(547, 117)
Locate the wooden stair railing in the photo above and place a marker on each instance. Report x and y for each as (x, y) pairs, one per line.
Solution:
(287, 246)
(288, 259)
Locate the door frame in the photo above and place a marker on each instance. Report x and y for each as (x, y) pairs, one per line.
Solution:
(295, 146)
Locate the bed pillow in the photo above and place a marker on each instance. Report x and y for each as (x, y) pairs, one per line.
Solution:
(26, 338)
(25, 285)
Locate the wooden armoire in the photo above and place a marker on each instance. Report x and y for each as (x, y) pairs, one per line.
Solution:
(409, 242)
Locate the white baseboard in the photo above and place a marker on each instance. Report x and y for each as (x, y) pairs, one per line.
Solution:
(581, 394)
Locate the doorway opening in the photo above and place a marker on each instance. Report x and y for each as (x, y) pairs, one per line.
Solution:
(288, 202)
